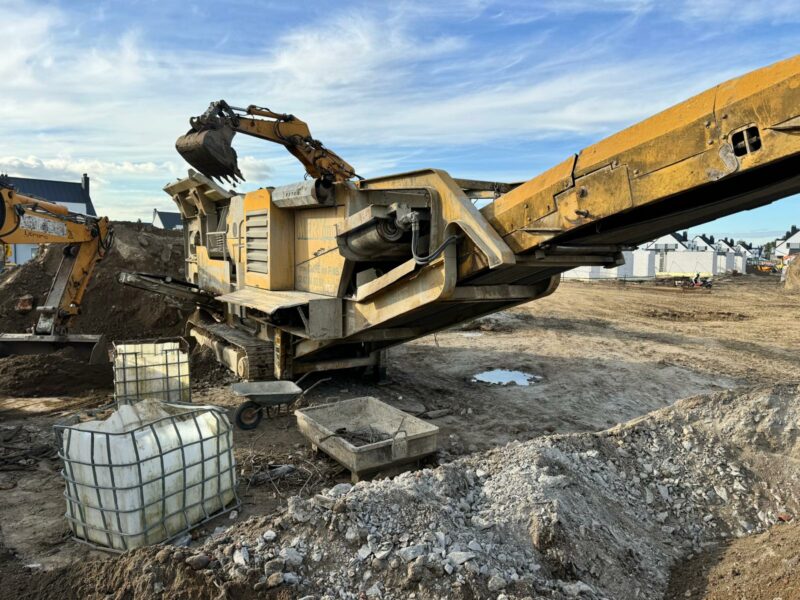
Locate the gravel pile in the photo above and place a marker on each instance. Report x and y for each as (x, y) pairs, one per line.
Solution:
(593, 516)
(587, 515)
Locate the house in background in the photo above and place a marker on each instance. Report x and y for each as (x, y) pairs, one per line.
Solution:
(702, 243)
(746, 250)
(788, 244)
(725, 246)
(74, 195)
(674, 254)
(167, 220)
(669, 242)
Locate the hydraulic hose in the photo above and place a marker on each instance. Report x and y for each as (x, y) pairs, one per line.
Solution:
(424, 260)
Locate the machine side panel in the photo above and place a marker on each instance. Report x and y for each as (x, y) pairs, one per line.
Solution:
(319, 267)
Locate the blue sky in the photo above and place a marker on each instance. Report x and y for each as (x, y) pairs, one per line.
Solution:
(482, 89)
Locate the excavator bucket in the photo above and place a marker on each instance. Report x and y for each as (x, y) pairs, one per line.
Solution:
(209, 151)
(90, 348)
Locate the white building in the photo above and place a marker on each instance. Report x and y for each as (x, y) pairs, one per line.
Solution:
(639, 264)
(74, 195)
(787, 245)
(745, 250)
(723, 246)
(670, 242)
(671, 255)
(702, 243)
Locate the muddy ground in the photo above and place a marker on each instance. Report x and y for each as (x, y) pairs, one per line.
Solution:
(604, 354)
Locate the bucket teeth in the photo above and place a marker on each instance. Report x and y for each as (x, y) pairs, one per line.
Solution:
(210, 152)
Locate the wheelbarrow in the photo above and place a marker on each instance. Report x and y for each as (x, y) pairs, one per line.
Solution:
(262, 396)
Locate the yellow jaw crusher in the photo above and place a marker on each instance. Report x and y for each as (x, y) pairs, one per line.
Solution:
(330, 272)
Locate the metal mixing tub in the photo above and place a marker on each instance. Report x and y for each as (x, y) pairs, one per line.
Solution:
(404, 438)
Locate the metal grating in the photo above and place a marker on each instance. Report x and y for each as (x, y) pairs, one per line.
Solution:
(152, 369)
(173, 485)
(216, 241)
(257, 228)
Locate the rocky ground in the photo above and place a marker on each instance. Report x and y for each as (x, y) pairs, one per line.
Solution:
(539, 492)
(589, 515)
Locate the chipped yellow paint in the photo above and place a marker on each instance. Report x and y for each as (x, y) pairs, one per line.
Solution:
(319, 267)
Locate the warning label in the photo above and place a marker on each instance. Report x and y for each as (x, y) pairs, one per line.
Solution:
(42, 225)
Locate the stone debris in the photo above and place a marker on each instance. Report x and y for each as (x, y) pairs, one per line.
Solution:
(589, 515)
(198, 561)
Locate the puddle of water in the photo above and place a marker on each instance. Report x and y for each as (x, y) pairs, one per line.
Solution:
(506, 377)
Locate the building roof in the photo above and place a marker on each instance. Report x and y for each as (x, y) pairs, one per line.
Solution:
(170, 220)
(677, 237)
(709, 241)
(55, 191)
(725, 242)
(786, 237)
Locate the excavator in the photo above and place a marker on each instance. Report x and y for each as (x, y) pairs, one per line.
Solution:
(330, 272)
(29, 220)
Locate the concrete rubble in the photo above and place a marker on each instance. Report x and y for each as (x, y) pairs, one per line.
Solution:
(589, 515)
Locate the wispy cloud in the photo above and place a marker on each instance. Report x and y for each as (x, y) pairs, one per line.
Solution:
(504, 87)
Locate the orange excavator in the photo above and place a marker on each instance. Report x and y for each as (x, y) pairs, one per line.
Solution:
(86, 239)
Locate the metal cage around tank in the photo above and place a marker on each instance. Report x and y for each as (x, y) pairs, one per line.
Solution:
(117, 504)
(157, 369)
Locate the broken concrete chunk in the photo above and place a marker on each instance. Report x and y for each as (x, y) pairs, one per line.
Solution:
(24, 304)
(459, 558)
(409, 553)
(340, 489)
(241, 556)
(292, 557)
(496, 583)
(273, 566)
(269, 535)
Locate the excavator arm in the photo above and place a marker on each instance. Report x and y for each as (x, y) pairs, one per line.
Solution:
(207, 145)
(26, 220)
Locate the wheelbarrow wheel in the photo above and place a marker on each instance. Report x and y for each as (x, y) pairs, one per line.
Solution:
(249, 415)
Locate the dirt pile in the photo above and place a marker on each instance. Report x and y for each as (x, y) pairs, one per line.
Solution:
(206, 371)
(589, 515)
(759, 567)
(109, 308)
(52, 374)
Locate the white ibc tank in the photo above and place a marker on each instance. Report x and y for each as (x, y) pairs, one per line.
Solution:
(147, 473)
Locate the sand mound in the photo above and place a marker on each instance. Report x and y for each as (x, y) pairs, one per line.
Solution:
(759, 567)
(109, 308)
